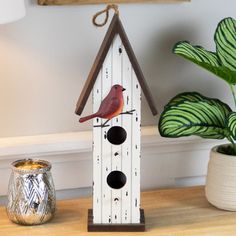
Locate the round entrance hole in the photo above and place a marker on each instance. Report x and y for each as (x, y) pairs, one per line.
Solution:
(116, 135)
(116, 179)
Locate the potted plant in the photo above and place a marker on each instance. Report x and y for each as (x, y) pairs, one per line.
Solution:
(191, 113)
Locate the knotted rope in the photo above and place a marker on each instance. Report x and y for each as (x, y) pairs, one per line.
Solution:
(106, 10)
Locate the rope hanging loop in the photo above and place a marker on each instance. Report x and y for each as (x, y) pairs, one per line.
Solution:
(106, 10)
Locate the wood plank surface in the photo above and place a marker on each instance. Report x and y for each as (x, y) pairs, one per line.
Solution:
(97, 152)
(106, 145)
(135, 148)
(116, 121)
(67, 2)
(126, 155)
(175, 212)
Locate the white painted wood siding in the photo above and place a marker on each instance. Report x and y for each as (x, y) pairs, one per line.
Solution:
(106, 145)
(117, 69)
(126, 147)
(102, 148)
(97, 153)
(135, 162)
(116, 159)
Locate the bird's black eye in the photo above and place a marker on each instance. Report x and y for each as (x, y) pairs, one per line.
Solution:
(115, 87)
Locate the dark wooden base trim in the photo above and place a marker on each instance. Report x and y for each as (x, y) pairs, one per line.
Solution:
(140, 227)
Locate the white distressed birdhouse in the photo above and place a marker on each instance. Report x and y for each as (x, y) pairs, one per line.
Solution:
(116, 145)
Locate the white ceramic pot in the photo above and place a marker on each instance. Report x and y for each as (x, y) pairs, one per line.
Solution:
(221, 180)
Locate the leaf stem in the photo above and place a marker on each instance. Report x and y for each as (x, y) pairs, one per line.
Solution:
(234, 96)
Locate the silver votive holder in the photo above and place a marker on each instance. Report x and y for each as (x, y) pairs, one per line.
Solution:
(31, 192)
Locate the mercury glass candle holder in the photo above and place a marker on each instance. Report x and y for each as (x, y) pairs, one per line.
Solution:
(31, 192)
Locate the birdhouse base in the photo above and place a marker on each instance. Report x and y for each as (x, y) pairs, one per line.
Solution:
(140, 227)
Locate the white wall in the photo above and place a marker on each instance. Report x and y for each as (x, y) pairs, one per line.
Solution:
(44, 61)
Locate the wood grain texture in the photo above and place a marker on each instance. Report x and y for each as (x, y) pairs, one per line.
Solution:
(135, 148)
(126, 157)
(172, 212)
(106, 145)
(97, 152)
(116, 159)
(69, 2)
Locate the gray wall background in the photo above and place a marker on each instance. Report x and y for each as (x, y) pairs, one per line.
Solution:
(45, 59)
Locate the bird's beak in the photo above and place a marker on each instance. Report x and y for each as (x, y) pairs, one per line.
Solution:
(123, 89)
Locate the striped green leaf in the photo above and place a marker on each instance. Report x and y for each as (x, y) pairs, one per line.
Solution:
(196, 53)
(187, 96)
(206, 59)
(196, 97)
(231, 123)
(194, 115)
(225, 39)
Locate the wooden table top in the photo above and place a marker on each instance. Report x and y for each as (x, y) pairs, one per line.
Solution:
(174, 212)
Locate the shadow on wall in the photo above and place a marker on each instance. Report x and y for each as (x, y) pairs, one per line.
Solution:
(163, 67)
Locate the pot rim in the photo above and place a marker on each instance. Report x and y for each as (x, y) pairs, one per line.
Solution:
(215, 150)
(46, 166)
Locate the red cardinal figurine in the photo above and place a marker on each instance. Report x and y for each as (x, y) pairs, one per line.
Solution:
(111, 105)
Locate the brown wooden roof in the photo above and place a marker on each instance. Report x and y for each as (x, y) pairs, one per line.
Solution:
(115, 27)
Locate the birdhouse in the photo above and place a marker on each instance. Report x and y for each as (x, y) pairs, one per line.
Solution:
(116, 141)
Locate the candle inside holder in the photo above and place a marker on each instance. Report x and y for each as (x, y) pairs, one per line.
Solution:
(30, 165)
